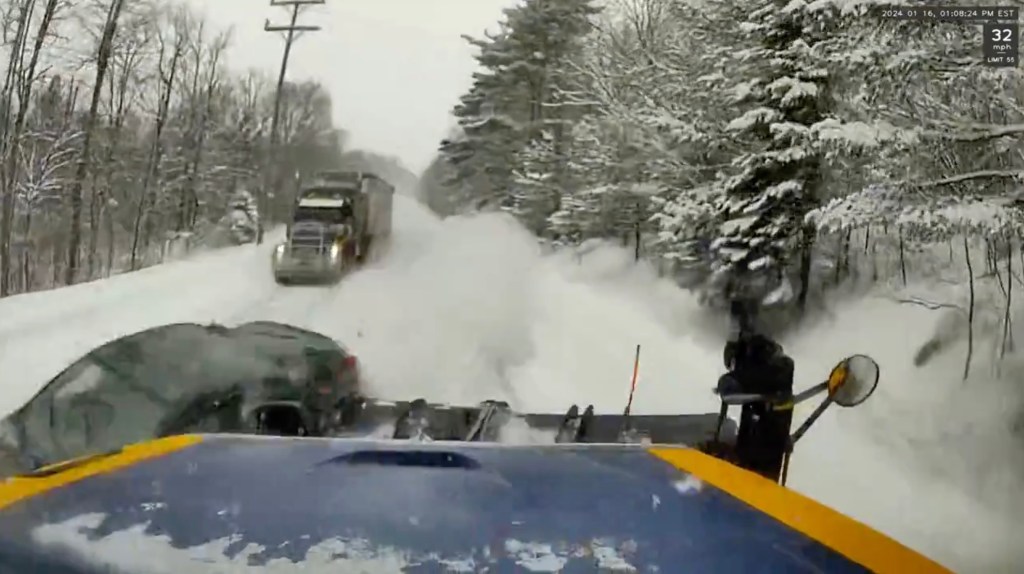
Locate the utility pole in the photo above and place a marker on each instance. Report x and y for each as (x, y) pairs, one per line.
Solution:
(270, 169)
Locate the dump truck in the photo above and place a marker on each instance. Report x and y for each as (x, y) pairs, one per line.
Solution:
(340, 220)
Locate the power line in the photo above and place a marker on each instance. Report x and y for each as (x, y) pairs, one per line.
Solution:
(293, 31)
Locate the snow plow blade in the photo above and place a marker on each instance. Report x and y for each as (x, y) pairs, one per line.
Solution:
(495, 421)
(205, 503)
(658, 429)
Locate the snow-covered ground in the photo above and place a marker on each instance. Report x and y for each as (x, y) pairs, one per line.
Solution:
(470, 308)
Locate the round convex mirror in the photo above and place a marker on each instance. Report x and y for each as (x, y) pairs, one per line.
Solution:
(853, 380)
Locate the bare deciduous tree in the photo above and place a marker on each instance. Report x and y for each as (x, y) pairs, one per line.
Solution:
(82, 169)
(104, 184)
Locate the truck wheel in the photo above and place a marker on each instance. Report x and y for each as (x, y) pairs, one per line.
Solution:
(282, 280)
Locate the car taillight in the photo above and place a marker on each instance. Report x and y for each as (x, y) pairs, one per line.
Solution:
(349, 367)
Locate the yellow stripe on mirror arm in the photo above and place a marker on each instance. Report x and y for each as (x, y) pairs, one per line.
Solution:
(54, 476)
(854, 540)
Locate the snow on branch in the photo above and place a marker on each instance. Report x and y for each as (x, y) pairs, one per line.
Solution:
(872, 205)
(923, 215)
(45, 156)
(792, 91)
(860, 134)
(930, 305)
(973, 175)
(843, 7)
(679, 216)
(972, 215)
(754, 117)
(978, 132)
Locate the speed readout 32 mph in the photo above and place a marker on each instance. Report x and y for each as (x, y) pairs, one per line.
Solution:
(1000, 44)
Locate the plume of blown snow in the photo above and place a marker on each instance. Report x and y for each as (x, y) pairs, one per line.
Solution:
(929, 459)
(470, 308)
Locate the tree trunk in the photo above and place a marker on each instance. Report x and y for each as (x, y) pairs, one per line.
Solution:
(1007, 343)
(156, 153)
(970, 310)
(191, 198)
(102, 60)
(9, 143)
(808, 234)
(26, 259)
(903, 257)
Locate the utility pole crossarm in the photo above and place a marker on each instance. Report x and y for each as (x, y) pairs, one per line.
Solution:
(268, 27)
(296, 2)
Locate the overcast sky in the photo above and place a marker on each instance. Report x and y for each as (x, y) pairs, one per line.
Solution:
(394, 68)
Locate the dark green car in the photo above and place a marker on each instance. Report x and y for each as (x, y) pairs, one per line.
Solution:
(181, 378)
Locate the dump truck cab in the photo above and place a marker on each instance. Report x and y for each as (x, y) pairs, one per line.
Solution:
(337, 219)
(320, 241)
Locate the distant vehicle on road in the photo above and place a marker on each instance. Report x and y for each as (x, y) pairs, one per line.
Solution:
(341, 219)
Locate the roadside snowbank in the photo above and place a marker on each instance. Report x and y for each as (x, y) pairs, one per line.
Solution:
(43, 332)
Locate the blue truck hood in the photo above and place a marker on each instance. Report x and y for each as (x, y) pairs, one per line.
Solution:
(221, 503)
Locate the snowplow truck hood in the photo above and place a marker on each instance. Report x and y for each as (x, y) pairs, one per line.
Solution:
(210, 501)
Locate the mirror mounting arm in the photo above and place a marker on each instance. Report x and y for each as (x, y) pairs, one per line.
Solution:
(802, 430)
(809, 393)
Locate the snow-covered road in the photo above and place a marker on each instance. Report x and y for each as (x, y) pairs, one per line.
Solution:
(469, 308)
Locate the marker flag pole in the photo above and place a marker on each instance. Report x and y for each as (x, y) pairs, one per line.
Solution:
(632, 386)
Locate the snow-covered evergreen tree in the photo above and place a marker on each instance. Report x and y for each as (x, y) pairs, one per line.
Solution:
(776, 180)
(736, 120)
(491, 127)
(511, 152)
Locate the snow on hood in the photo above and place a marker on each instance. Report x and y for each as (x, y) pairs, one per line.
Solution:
(134, 549)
